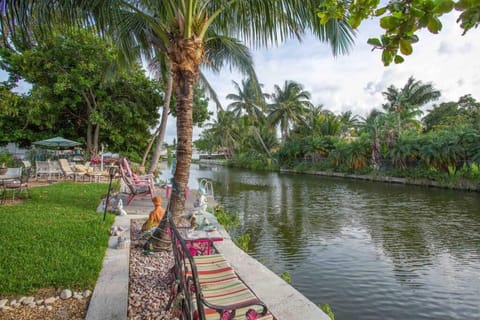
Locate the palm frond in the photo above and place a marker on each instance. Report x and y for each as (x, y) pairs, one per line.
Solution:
(203, 82)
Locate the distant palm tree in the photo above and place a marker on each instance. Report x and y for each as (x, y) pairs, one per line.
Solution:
(311, 121)
(406, 102)
(225, 131)
(348, 122)
(248, 100)
(373, 125)
(289, 105)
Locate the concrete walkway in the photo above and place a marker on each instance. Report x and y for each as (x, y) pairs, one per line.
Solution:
(110, 296)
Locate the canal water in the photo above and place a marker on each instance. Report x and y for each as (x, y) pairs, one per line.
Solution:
(370, 250)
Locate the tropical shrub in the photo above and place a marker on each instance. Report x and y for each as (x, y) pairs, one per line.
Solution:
(255, 161)
(354, 155)
(406, 149)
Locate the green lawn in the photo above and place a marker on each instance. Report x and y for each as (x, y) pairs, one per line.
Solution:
(55, 239)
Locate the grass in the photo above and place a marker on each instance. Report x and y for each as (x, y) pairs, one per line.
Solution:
(55, 239)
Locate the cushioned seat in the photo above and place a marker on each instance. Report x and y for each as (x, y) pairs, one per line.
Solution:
(221, 286)
(230, 292)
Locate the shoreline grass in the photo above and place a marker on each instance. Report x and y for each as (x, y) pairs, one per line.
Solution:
(55, 239)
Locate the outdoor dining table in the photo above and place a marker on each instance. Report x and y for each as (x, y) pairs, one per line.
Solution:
(200, 239)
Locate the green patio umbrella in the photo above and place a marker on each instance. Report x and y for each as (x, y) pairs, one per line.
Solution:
(56, 143)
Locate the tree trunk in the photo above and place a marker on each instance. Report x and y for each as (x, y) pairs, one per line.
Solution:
(284, 136)
(163, 123)
(95, 139)
(149, 146)
(259, 136)
(186, 56)
(376, 150)
(89, 138)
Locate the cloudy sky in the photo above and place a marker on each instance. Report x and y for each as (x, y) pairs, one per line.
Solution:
(448, 60)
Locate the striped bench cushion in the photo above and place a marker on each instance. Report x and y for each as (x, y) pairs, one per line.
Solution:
(227, 292)
(212, 268)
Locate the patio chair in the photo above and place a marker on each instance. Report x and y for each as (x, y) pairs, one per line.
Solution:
(41, 169)
(68, 172)
(26, 163)
(19, 182)
(54, 169)
(137, 190)
(142, 180)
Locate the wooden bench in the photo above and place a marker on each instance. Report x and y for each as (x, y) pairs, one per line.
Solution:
(206, 287)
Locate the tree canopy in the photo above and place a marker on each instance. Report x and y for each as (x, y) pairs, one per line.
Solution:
(71, 94)
(401, 20)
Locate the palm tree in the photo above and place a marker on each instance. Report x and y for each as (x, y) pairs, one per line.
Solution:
(406, 102)
(225, 131)
(181, 30)
(290, 104)
(247, 101)
(348, 123)
(373, 125)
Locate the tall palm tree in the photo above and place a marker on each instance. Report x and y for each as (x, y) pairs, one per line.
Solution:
(181, 30)
(247, 101)
(290, 104)
(406, 102)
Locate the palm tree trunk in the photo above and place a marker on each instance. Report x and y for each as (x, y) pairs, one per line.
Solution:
(163, 123)
(376, 150)
(186, 56)
(259, 136)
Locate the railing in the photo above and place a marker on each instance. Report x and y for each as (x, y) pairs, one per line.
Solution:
(207, 186)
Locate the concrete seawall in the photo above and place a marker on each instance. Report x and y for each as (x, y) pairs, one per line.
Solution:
(388, 179)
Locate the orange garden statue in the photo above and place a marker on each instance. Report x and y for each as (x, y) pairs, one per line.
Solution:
(155, 216)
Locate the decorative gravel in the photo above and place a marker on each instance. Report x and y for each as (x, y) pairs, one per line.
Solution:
(149, 289)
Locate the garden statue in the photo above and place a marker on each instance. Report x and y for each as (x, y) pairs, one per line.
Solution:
(155, 216)
(120, 210)
(201, 203)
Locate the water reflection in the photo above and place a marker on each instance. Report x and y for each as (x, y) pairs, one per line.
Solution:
(370, 250)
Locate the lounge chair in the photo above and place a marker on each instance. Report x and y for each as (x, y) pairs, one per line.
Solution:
(41, 169)
(137, 190)
(68, 172)
(142, 180)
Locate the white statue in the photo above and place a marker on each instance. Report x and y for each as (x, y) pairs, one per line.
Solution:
(120, 210)
(201, 203)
